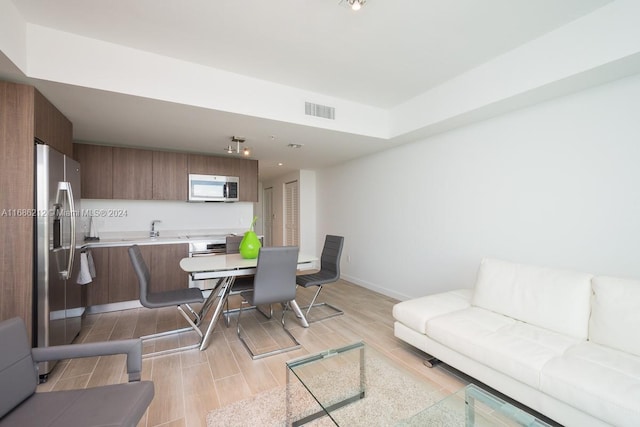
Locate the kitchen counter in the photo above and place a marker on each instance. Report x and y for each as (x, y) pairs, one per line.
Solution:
(167, 237)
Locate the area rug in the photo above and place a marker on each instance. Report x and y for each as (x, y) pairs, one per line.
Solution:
(392, 397)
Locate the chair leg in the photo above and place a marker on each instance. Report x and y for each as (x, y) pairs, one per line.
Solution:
(268, 316)
(194, 314)
(337, 311)
(192, 326)
(255, 356)
(227, 313)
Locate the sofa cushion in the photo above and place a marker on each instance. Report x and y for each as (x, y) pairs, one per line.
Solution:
(500, 342)
(615, 314)
(415, 313)
(557, 300)
(598, 380)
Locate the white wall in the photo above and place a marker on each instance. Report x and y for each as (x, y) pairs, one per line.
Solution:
(308, 210)
(556, 184)
(175, 215)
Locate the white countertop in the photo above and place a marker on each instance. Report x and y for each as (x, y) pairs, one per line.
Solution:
(166, 237)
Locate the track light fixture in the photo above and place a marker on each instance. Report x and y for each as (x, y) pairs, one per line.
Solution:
(238, 140)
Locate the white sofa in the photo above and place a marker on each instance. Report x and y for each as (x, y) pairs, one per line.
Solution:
(564, 343)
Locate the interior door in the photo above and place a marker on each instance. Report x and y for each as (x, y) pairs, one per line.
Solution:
(291, 214)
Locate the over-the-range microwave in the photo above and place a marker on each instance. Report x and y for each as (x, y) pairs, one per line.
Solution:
(213, 188)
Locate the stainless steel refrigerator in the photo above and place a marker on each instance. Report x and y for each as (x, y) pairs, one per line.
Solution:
(57, 296)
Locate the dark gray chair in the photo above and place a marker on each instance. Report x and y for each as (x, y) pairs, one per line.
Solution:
(240, 283)
(329, 273)
(178, 298)
(111, 405)
(274, 282)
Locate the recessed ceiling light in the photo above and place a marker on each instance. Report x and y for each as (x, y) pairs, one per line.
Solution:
(355, 4)
(280, 163)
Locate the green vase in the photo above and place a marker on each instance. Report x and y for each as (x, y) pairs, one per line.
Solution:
(250, 245)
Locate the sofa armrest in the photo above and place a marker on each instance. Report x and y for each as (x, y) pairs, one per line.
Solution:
(132, 348)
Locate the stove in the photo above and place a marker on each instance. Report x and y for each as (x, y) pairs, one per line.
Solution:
(205, 245)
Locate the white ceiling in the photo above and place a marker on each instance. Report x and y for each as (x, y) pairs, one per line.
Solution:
(383, 55)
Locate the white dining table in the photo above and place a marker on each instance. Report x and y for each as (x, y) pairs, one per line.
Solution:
(226, 268)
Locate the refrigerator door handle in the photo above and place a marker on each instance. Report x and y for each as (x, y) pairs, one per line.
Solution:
(66, 187)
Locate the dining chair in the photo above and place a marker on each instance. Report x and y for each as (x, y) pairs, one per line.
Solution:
(274, 282)
(120, 404)
(177, 297)
(329, 273)
(240, 283)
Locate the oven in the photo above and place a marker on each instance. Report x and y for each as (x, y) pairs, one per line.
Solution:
(216, 245)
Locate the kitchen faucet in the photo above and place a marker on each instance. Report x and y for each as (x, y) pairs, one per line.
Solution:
(154, 232)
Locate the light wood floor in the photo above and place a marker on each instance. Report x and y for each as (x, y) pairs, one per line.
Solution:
(190, 384)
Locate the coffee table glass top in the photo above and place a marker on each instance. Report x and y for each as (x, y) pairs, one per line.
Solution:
(356, 385)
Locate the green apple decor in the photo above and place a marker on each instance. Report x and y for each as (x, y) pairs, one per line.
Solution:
(250, 244)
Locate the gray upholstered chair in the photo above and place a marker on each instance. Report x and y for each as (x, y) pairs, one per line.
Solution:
(111, 405)
(177, 298)
(240, 283)
(274, 282)
(329, 273)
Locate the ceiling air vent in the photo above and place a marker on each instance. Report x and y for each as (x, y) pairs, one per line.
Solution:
(311, 109)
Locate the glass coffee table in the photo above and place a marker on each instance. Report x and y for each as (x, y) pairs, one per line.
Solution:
(473, 406)
(356, 385)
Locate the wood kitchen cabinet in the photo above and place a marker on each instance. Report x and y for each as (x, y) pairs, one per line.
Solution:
(96, 162)
(123, 282)
(129, 173)
(245, 169)
(132, 173)
(169, 176)
(210, 165)
(163, 262)
(165, 267)
(51, 126)
(24, 115)
(97, 292)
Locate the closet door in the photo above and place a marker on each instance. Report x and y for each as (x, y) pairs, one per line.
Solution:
(291, 214)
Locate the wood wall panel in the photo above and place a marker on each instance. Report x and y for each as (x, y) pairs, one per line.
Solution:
(17, 181)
